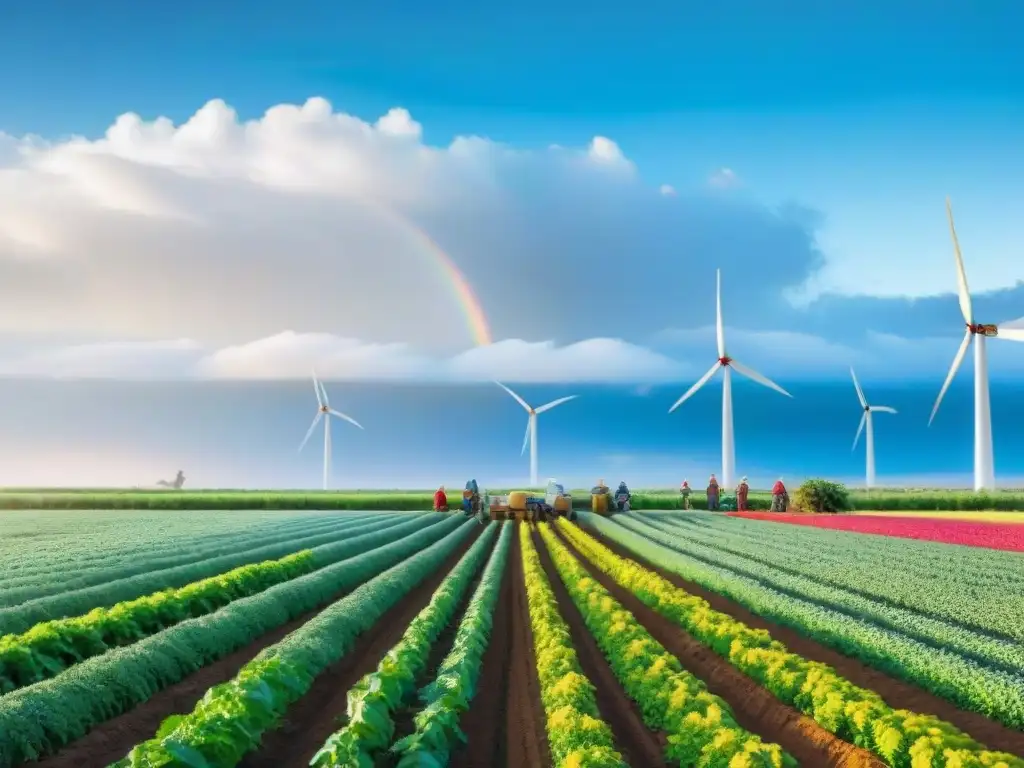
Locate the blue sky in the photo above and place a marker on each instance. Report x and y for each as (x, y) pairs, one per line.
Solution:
(806, 154)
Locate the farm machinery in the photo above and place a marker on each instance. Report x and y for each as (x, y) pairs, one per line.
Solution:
(520, 505)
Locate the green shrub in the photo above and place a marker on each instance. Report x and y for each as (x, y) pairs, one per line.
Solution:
(822, 496)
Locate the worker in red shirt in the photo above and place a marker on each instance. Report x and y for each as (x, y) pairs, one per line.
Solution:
(780, 498)
(440, 500)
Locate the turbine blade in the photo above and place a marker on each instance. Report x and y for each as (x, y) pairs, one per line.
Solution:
(860, 392)
(700, 383)
(553, 403)
(755, 376)
(349, 419)
(719, 326)
(961, 274)
(883, 409)
(517, 397)
(323, 389)
(1013, 334)
(526, 438)
(316, 420)
(863, 421)
(316, 388)
(952, 372)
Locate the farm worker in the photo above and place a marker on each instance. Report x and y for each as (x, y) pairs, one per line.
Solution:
(780, 499)
(741, 495)
(622, 489)
(684, 489)
(440, 500)
(712, 493)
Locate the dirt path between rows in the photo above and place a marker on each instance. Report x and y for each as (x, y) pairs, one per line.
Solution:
(637, 744)
(527, 743)
(756, 709)
(321, 711)
(486, 721)
(896, 693)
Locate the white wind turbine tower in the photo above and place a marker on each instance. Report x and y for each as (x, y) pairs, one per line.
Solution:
(727, 364)
(324, 411)
(984, 466)
(531, 427)
(866, 420)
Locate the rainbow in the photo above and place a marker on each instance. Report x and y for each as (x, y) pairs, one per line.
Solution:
(476, 319)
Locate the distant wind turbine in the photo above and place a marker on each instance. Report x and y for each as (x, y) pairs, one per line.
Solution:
(984, 464)
(866, 420)
(727, 364)
(324, 411)
(531, 427)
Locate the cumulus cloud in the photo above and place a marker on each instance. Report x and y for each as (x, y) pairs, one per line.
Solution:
(668, 190)
(224, 230)
(291, 355)
(724, 178)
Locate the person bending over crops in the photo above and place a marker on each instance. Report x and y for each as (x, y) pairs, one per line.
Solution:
(440, 500)
(741, 495)
(713, 493)
(780, 497)
(684, 491)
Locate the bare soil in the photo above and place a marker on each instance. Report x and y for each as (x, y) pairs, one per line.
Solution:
(321, 711)
(637, 744)
(896, 693)
(756, 709)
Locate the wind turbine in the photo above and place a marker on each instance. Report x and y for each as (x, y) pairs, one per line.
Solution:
(531, 427)
(324, 411)
(866, 419)
(727, 364)
(984, 466)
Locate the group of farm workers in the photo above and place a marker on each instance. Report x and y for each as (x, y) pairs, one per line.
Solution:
(470, 499)
(780, 497)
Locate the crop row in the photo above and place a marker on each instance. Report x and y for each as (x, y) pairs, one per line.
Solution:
(448, 697)
(231, 718)
(374, 699)
(20, 618)
(700, 726)
(988, 651)
(989, 691)
(854, 714)
(162, 552)
(40, 718)
(576, 734)
(66, 577)
(50, 647)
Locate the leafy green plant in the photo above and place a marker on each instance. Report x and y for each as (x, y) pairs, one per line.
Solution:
(858, 716)
(374, 699)
(448, 697)
(701, 727)
(822, 496)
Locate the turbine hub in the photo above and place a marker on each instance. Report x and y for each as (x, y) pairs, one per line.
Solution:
(983, 329)
(867, 408)
(324, 409)
(725, 360)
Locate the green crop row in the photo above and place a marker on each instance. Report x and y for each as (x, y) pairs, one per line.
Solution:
(231, 718)
(22, 617)
(39, 719)
(833, 583)
(64, 577)
(908, 647)
(448, 697)
(901, 738)
(701, 728)
(908, 500)
(577, 737)
(377, 696)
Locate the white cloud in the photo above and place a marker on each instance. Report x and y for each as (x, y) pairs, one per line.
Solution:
(724, 178)
(291, 355)
(223, 230)
(668, 190)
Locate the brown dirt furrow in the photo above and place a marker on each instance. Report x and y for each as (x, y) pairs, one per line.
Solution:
(321, 711)
(637, 744)
(486, 721)
(896, 693)
(525, 725)
(756, 709)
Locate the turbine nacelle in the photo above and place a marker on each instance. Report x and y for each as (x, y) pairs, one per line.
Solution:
(980, 329)
(724, 360)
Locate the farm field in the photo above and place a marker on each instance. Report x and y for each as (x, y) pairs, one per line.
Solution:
(972, 533)
(404, 639)
(988, 517)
